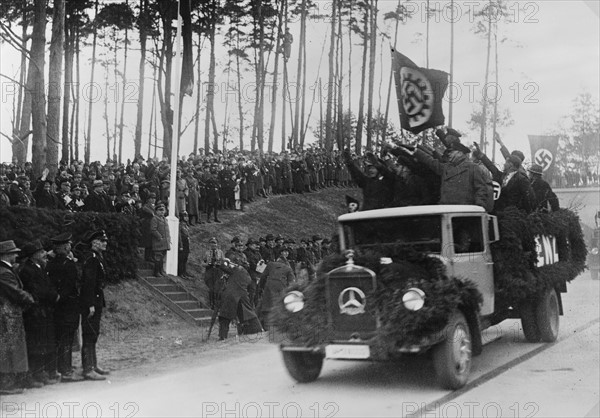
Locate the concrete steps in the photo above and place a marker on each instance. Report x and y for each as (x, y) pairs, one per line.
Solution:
(179, 300)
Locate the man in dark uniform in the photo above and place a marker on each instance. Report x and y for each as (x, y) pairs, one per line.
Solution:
(376, 184)
(268, 251)
(92, 302)
(213, 187)
(254, 259)
(544, 198)
(63, 273)
(277, 276)
(39, 319)
(236, 253)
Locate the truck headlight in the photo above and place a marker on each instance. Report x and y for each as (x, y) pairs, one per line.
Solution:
(594, 251)
(413, 299)
(294, 301)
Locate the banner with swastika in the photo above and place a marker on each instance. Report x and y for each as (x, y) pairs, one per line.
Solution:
(543, 150)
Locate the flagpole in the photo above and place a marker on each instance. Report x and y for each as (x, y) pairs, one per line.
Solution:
(450, 98)
(172, 254)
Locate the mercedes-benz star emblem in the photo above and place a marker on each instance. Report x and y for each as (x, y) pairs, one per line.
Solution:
(352, 301)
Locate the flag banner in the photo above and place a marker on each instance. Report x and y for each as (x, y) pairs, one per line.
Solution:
(419, 92)
(187, 64)
(543, 150)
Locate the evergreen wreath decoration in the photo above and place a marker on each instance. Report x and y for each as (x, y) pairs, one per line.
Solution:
(409, 268)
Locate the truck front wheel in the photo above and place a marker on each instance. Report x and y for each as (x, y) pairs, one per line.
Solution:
(303, 367)
(452, 357)
(547, 316)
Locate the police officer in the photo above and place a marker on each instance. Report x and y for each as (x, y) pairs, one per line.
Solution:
(92, 303)
(63, 273)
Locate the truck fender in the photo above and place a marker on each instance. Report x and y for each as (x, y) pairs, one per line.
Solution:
(474, 323)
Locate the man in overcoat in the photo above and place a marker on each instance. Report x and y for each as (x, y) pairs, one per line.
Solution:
(92, 304)
(213, 257)
(235, 301)
(13, 301)
(39, 319)
(544, 197)
(277, 276)
(63, 273)
(161, 238)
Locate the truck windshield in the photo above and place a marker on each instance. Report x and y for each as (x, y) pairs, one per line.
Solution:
(422, 232)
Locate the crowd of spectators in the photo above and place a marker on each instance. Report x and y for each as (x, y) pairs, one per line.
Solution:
(205, 184)
(576, 172)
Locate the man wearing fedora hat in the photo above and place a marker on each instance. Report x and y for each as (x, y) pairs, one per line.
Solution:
(63, 272)
(13, 300)
(92, 303)
(544, 197)
(98, 200)
(39, 319)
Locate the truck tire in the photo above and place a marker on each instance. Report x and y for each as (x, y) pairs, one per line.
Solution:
(529, 322)
(547, 316)
(452, 357)
(303, 367)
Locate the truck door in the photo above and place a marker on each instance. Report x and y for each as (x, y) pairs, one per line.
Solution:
(469, 256)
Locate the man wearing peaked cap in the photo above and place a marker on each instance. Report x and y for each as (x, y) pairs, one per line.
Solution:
(352, 204)
(544, 197)
(92, 304)
(63, 273)
(14, 300)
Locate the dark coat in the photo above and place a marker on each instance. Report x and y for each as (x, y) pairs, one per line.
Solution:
(377, 191)
(93, 279)
(235, 299)
(39, 319)
(463, 182)
(277, 276)
(253, 257)
(13, 300)
(543, 195)
(63, 273)
(96, 202)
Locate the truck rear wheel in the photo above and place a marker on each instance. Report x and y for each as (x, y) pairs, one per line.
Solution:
(303, 367)
(547, 316)
(529, 322)
(452, 357)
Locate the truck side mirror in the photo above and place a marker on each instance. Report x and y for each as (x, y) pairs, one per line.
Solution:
(493, 233)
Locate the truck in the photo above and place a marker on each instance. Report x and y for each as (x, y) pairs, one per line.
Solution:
(411, 281)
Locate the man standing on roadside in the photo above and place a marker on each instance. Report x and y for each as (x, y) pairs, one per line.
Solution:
(92, 302)
(13, 300)
(63, 273)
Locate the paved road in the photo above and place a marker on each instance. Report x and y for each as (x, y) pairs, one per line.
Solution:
(511, 378)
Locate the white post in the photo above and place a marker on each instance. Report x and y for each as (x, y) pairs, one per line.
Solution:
(172, 254)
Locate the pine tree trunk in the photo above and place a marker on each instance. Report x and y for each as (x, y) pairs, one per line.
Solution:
(373, 50)
(328, 117)
(198, 96)
(340, 82)
(75, 132)
(482, 136)
(239, 91)
(141, 80)
(387, 103)
(123, 96)
(282, 17)
(303, 106)
(495, 118)
(38, 95)
(260, 127)
(107, 126)
(67, 151)
(299, 91)
(361, 99)
(88, 137)
(23, 121)
(210, 96)
(57, 45)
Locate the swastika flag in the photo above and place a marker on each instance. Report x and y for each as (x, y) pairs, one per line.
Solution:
(419, 92)
(543, 150)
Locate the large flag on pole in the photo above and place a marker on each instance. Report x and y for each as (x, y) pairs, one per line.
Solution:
(187, 64)
(419, 92)
(543, 150)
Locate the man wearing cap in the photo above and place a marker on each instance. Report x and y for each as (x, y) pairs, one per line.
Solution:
(13, 301)
(462, 181)
(236, 302)
(376, 184)
(317, 240)
(274, 280)
(161, 238)
(268, 251)
(92, 303)
(4, 197)
(213, 188)
(63, 273)
(254, 260)
(213, 257)
(326, 248)
(236, 253)
(64, 194)
(44, 195)
(97, 201)
(545, 199)
(39, 319)
(20, 193)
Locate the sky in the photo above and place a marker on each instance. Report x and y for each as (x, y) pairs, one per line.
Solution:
(551, 54)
